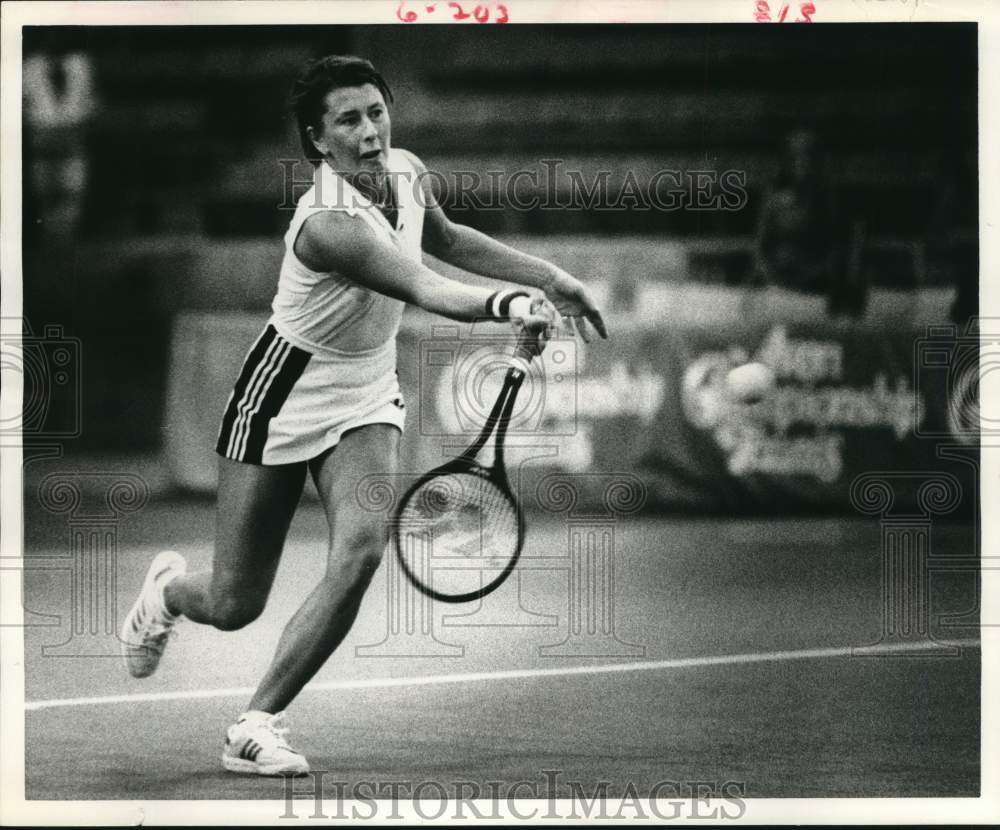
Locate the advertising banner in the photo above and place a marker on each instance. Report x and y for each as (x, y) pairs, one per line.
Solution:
(849, 399)
(649, 409)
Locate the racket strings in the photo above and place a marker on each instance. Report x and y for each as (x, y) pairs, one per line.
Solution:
(464, 518)
(462, 515)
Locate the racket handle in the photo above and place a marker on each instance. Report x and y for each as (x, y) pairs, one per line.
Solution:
(529, 345)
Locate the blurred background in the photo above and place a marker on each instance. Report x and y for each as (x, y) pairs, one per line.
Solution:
(825, 225)
(157, 159)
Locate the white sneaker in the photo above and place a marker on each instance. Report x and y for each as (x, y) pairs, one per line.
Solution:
(148, 625)
(256, 744)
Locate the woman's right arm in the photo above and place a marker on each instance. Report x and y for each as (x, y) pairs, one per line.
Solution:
(335, 241)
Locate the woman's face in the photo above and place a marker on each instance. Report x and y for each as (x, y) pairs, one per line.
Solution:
(354, 133)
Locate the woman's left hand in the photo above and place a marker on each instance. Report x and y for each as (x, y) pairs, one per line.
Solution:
(573, 300)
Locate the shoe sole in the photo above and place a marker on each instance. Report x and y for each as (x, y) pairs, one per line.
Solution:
(245, 767)
(170, 559)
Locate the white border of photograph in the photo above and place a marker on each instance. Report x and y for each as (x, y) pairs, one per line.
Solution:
(15, 810)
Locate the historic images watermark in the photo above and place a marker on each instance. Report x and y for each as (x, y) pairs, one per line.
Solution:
(906, 556)
(48, 369)
(42, 409)
(459, 379)
(958, 362)
(951, 363)
(587, 565)
(323, 794)
(550, 184)
(95, 505)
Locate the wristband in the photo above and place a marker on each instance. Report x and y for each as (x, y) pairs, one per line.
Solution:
(498, 303)
(521, 307)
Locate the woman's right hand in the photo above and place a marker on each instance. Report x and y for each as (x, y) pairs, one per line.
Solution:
(535, 317)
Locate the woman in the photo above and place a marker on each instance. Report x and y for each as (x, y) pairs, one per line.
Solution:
(318, 392)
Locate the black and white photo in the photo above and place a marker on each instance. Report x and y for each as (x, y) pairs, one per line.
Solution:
(465, 412)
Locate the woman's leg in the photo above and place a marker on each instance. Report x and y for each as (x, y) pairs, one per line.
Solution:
(357, 540)
(255, 508)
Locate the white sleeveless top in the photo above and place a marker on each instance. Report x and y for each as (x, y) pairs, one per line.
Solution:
(323, 311)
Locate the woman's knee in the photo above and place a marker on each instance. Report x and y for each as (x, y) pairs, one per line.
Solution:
(232, 613)
(360, 551)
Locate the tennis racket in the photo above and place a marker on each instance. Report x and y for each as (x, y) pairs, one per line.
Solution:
(465, 512)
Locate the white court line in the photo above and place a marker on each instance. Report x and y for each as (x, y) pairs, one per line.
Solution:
(515, 674)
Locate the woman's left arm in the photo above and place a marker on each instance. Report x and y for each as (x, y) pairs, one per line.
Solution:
(474, 251)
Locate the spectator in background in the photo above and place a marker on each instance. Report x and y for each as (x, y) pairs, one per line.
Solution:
(799, 242)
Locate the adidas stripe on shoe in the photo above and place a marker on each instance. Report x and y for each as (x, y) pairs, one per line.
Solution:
(256, 745)
(148, 625)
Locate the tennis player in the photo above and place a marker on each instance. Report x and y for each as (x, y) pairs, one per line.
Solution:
(318, 392)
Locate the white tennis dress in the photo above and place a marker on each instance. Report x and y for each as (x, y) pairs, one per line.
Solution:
(326, 361)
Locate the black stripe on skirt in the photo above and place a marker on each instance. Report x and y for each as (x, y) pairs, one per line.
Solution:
(291, 370)
(275, 398)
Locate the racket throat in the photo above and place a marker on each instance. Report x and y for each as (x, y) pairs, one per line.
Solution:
(499, 417)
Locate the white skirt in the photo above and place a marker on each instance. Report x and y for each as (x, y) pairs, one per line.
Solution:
(291, 405)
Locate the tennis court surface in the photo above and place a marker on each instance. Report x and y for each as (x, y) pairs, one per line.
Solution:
(735, 654)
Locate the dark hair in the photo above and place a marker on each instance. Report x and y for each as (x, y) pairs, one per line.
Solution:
(317, 80)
